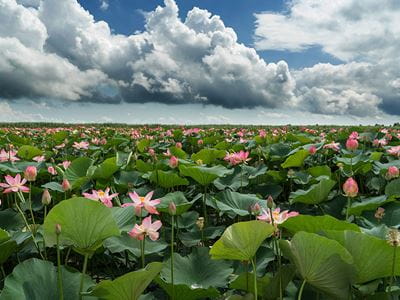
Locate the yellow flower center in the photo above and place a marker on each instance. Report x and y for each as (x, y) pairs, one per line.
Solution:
(101, 194)
(141, 199)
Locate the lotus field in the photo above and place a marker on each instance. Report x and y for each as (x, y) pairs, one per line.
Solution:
(105, 212)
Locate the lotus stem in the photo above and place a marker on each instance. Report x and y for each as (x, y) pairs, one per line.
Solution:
(255, 279)
(142, 245)
(348, 208)
(393, 270)
(29, 228)
(301, 290)
(172, 257)
(204, 205)
(59, 274)
(30, 205)
(85, 262)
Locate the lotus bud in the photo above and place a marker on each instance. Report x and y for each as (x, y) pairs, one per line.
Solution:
(351, 144)
(30, 173)
(340, 165)
(379, 213)
(312, 150)
(270, 202)
(172, 208)
(350, 188)
(173, 162)
(152, 152)
(46, 197)
(200, 142)
(178, 145)
(200, 223)
(255, 209)
(58, 229)
(66, 186)
(51, 170)
(392, 172)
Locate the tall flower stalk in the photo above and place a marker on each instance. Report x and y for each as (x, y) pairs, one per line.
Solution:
(172, 212)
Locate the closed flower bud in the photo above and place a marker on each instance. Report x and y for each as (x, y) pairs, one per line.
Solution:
(392, 172)
(30, 173)
(178, 145)
(350, 188)
(172, 208)
(270, 202)
(351, 144)
(46, 197)
(312, 150)
(58, 229)
(379, 213)
(173, 162)
(255, 209)
(66, 186)
(152, 152)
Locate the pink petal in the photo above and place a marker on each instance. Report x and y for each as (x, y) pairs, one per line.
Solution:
(153, 235)
(148, 196)
(156, 225)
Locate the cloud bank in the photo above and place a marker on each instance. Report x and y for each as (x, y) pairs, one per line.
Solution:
(365, 35)
(53, 49)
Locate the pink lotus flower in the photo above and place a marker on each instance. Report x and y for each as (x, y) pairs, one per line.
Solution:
(81, 145)
(351, 144)
(66, 186)
(278, 216)
(334, 146)
(102, 196)
(30, 173)
(14, 184)
(147, 228)
(395, 151)
(237, 157)
(173, 162)
(392, 172)
(354, 135)
(39, 158)
(350, 188)
(66, 164)
(51, 170)
(8, 156)
(312, 150)
(143, 202)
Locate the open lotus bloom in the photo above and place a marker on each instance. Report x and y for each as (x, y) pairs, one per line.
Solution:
(147, 228)
(143, 202)
(102, 196)
(14, 184)
(278, 217)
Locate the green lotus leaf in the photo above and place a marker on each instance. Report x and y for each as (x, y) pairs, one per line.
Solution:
(317, 193)
(85, 224)
(129, 286)
(197, 270)
(204, 175)
(234, 203)
(7, 246)
(241, 241)
(76, 173)
(321, 262)
(28, 152)
(106, 169)
(37, 279)
(208, 155)
(372, 203)
(167, 179)
(181, 203)
(296, 159)
(372, 256)
(124, 242)
(316, 224)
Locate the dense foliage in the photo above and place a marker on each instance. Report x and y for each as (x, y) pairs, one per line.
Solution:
(102, 212)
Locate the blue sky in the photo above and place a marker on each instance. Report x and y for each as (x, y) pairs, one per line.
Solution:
(204, 61)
